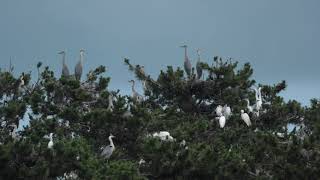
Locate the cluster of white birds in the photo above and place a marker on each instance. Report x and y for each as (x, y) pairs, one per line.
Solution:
(163, 136)
(258, 105)
(78, 68)
(223, 114)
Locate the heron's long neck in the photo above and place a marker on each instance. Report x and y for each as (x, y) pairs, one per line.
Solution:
(185, 53)
(248, 103)
(110, 99)
(63, 59)
(81, 58)
(51, 139)
(133, 90)
(111, 142)
(260, 93)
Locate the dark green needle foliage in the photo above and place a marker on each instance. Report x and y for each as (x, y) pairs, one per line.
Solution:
(77, 114)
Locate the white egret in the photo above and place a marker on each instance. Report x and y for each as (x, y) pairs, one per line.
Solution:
(135, 95)
(222, 121)
(110, 105)
(13, 133)
(226, 111)
(219, 110)
(22, 83)
(108, 150)
(50, 144)
(142, 161)
(250, 108)
(245, 117)
(163, 135)
(183, 143)
(79, 66)
(258, 99)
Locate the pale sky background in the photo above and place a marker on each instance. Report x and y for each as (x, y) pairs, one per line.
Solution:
(281, 39)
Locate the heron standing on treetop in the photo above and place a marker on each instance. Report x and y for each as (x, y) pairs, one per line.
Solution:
(187, 63)
(198, 66)
(79, 67)
(65, 69)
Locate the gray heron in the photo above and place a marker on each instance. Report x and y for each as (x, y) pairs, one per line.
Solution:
(79, 66)
(135, 95)
(187, 63)
(198, 66)
(65, 69)
(108, 150)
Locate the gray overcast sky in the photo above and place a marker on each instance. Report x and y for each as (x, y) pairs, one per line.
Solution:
(281, 39)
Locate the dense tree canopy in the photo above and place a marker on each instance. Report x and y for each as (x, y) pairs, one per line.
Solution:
(81, 118)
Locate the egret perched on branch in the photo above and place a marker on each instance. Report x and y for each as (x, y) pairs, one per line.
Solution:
(198, 66)
(135, 95)
(250, 108)
(13, 133)
(258, 98)
(222, 121)
(79, 66)
(219, 110)
(65, 69)
(187, 63)
(163, 135)
(108, 150)
(50, 144)
(110, 105)
(245, 117)
(226, 111)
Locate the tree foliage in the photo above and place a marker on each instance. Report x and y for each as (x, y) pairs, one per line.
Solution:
(77, 113)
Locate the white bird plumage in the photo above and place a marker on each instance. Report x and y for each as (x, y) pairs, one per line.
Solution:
(110, 103)
(50, 143)
(226, 111)
(222, 121)
(258, 98)
(135, 95)
(108, 150)
(163, 135)
(13, 133)
(219, 110)
(245, 117)
(250, 108)
(187, 63)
